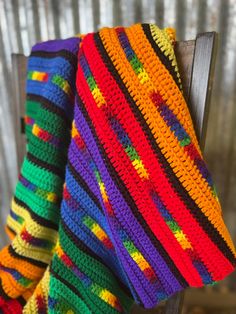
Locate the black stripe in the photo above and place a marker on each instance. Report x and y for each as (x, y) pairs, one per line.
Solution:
(164, 59)
(11, 230)
(67, 284)
(125, 193)
(72, 288)
(52, 107)
(60, 172)
(20, 299)
(120, 184)
(69, 56)
(40, 220)
(178, 187)
(2, 292)
(83, 247)
(84, 185)
(59, 197)
(32, 261)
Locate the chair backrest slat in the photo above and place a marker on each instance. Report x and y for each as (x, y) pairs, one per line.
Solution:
(184, 51)
(201, 82)
(196, 61)
(19, 65)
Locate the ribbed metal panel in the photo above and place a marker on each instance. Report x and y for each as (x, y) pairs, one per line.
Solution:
(24, 22)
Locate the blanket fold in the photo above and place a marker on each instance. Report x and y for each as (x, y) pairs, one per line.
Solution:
(132, 213)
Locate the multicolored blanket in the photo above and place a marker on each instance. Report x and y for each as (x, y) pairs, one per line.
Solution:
(114, 203)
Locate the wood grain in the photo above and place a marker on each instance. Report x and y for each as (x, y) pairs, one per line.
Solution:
(19, 64)
(201, 83)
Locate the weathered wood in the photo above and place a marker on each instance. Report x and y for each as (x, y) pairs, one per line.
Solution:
(201, 83)
(196, 69)
(211, 300)
(19, 64)
(184, 51)
(174, 304)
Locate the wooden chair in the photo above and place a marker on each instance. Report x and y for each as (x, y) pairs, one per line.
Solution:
(196, 59)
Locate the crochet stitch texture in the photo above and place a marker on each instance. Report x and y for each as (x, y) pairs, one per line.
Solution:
(115, 165)
(32, 223)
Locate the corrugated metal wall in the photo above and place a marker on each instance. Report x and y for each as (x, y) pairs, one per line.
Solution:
(24, 22)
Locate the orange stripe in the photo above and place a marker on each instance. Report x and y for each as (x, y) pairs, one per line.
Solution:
(25, 268)
(11, 287)
(197, 187)
(10, 234)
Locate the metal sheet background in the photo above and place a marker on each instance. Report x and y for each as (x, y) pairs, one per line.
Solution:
(24, 22)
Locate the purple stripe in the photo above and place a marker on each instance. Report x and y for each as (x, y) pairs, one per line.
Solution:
(108, 255)
(71, 44)
(77, 159)
(75, 225)
(87, 202)
(161, 268)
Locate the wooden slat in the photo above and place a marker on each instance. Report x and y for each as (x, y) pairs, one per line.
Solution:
(174, 305)
(184, 51)
(19, 65)
(211, 300)
(197, 75)
(201, 83)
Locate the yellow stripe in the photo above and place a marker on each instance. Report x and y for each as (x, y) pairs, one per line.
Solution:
(143, 76)
(31, 251)
(108, 297)
(32, 226)
(98, 231)
(162, 37)
(35, 129)
(140, 260)
(103, 191)
(138, 165)
(172, 95)
(74, 131)
(182, 239)
(13, 224)
(98, 96)
(42, 289)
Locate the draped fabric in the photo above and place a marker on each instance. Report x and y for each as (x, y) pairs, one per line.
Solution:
(23, 23)
(136, 209)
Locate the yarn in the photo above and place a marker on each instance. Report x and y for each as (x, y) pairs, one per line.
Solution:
(33, 219)
(139, 217)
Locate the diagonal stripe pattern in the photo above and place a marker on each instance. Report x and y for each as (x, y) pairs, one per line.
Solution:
(140, 218)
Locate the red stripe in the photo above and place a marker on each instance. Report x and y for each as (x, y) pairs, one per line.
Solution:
(26, 236)
(10, 306)
(132, 181)
(111, 91)
(41, 305)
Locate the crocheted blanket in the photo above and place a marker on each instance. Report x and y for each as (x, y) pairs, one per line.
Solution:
(114, 203)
